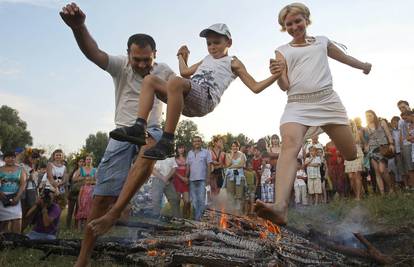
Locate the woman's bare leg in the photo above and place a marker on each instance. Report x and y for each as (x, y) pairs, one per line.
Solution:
(292, 136)
(386, 176)
(343, 139)
(378, 176)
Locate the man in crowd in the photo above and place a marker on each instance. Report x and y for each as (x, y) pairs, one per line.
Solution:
(406, 149)
(128, 73)
(199, 164)
(162, 174)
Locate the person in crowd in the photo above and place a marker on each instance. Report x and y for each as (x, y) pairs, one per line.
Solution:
(250, 175)
(181, 181)
(257, 166)
(197, 94)
(75, 185)
(314, 142)
(45, 215)
(301, 196)
(12, 185)
(354, 168)
(409, 119)
(86, 175)
(336, 168)
(406, 148)
(312, 165)
(312, 102)
(249, 152)
(2, 163)
(56, 173)
(198, 170)
(30, 194)
(395, 164)
(266, 181)
(162, 175)
(219, 160)
(379, 135)
(235, 179)
(274, 148)
(320, 154)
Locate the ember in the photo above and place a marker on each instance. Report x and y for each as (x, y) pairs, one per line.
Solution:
(152, 253)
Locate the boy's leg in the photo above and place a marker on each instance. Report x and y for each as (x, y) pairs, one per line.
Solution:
(135, 134)
(177, 88)
(137, 176)
(292, 136)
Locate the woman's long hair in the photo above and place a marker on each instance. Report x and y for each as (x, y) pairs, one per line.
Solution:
(376, 120)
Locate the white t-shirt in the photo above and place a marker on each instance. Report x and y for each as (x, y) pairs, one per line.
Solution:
(308, 68)
(128, 89)
(165, 166)
(2, 163)
(299, 182)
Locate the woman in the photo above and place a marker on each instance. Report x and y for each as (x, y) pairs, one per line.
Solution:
(180, 181)
(274, 148)
(218, 156)
(235, 180)
(354, 168)
(74, 188)
(12, 185)
(86, 175)
(336, 172)
(379, 135)
(56, 173)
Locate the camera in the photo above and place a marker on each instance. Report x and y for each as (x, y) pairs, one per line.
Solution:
(46, 195)
(236, 172)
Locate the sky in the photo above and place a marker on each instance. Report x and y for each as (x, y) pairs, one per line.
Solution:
(63, 97)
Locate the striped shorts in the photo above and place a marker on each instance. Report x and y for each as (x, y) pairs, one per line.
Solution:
(198, 102)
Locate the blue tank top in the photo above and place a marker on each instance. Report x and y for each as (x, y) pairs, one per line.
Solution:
(84, 174)
(10, 182)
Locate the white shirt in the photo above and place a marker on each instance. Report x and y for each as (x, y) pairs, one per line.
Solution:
(299, 182)
(165, 166)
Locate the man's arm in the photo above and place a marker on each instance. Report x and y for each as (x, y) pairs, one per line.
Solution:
(74, 17)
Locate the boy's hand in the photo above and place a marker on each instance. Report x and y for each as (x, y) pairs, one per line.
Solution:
(276, 66)
(184, 52)
(73, 16)
(367, 68)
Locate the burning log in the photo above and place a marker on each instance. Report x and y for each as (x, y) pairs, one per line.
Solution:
(373, 252)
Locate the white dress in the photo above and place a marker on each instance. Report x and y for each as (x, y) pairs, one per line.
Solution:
(311, 99)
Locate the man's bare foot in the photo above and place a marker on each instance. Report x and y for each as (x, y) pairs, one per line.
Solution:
(271, 212)
(102, 224)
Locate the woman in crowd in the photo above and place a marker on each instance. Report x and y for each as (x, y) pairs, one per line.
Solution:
(379, 136)
(274, 148)
(180, 181)
(74, 188)
(354, 168)
(335, 164)
(86, 176)
(235, 180)
(56, 173)
(218, 156)
(12, 184)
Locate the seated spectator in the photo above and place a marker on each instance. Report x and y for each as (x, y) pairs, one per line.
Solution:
(301, 196)
(46, 215)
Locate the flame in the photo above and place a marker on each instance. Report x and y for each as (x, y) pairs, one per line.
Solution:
(272, 228)
(152, 253)
(223, 220)
(263, 235)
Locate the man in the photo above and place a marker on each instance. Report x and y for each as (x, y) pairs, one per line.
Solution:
(46, 215)
(406, 149)
(162, 174)
(128, 73)
(199, 163)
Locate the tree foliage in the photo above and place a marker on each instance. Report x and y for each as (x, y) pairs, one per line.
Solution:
(13, 132)
(241, 138)
(186, 130)
(96, 145)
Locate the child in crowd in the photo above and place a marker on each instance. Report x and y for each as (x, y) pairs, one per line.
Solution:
(323, 174)
(313, 164)
(300, 185)
(266, 182)
(250, 175)
(312, 102)
(194, 95)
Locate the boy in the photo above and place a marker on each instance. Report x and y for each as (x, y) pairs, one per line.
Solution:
(300, 185)
(194, 95)
(312, 164)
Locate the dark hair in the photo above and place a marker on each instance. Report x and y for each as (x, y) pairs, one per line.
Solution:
(141, 40)
(407, 113)
(376, 120)
(402, 102)
(236, 143)
(395, 118)
(179, 146)
(196, 137)
(299, 161)
(9, 154)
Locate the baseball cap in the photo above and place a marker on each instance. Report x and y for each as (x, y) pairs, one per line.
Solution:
(219, 28)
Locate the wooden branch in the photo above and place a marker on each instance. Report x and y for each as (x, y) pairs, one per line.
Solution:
(373, 251)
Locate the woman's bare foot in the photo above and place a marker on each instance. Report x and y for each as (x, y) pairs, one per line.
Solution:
(271, 212)
(102, 224)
